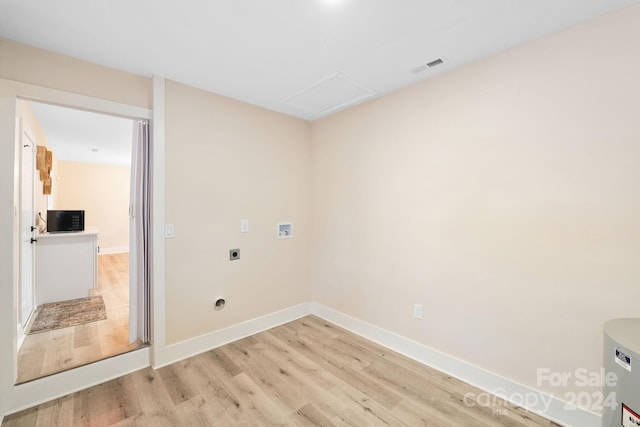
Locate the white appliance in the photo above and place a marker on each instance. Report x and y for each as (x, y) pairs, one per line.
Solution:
(622, 357)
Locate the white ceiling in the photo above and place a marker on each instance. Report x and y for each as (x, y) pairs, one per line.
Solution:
(269, 53)
(83, 136)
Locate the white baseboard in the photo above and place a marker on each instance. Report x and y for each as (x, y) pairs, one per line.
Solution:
(113, 250)
(42, 390)
(182, 350)
(548, 406)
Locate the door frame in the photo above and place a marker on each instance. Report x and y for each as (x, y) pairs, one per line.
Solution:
(16, 397)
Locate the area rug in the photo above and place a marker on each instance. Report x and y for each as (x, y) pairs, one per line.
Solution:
(64, 314)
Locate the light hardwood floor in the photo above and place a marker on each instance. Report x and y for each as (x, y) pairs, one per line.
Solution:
(305, 373)
(55, 351)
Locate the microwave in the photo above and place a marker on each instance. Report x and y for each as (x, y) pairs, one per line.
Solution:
(65, 221)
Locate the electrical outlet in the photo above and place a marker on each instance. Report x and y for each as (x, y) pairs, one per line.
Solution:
(417, 311)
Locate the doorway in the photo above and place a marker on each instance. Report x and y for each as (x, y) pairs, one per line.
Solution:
(91, 171)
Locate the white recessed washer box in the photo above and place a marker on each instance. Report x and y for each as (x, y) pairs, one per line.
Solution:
(285, 230)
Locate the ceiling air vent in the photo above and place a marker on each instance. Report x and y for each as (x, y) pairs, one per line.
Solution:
(424, 67)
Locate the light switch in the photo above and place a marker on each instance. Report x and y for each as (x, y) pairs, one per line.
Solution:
(244, 225)
(168, 231)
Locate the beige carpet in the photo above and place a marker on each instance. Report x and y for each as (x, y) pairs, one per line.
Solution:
(64, 314)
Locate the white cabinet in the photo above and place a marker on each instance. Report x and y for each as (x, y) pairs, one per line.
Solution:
(66, 265)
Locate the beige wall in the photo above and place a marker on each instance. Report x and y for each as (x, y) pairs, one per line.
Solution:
(43, 68)
(226, 161)
(102, 191)
(502, 196)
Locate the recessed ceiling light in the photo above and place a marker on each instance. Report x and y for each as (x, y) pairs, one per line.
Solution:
(95, 150)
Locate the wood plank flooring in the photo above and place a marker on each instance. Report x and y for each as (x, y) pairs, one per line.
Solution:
(55, 351)
(304, 373)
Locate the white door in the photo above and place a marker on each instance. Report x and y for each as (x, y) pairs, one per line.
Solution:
(139, 230)
(27, 225)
